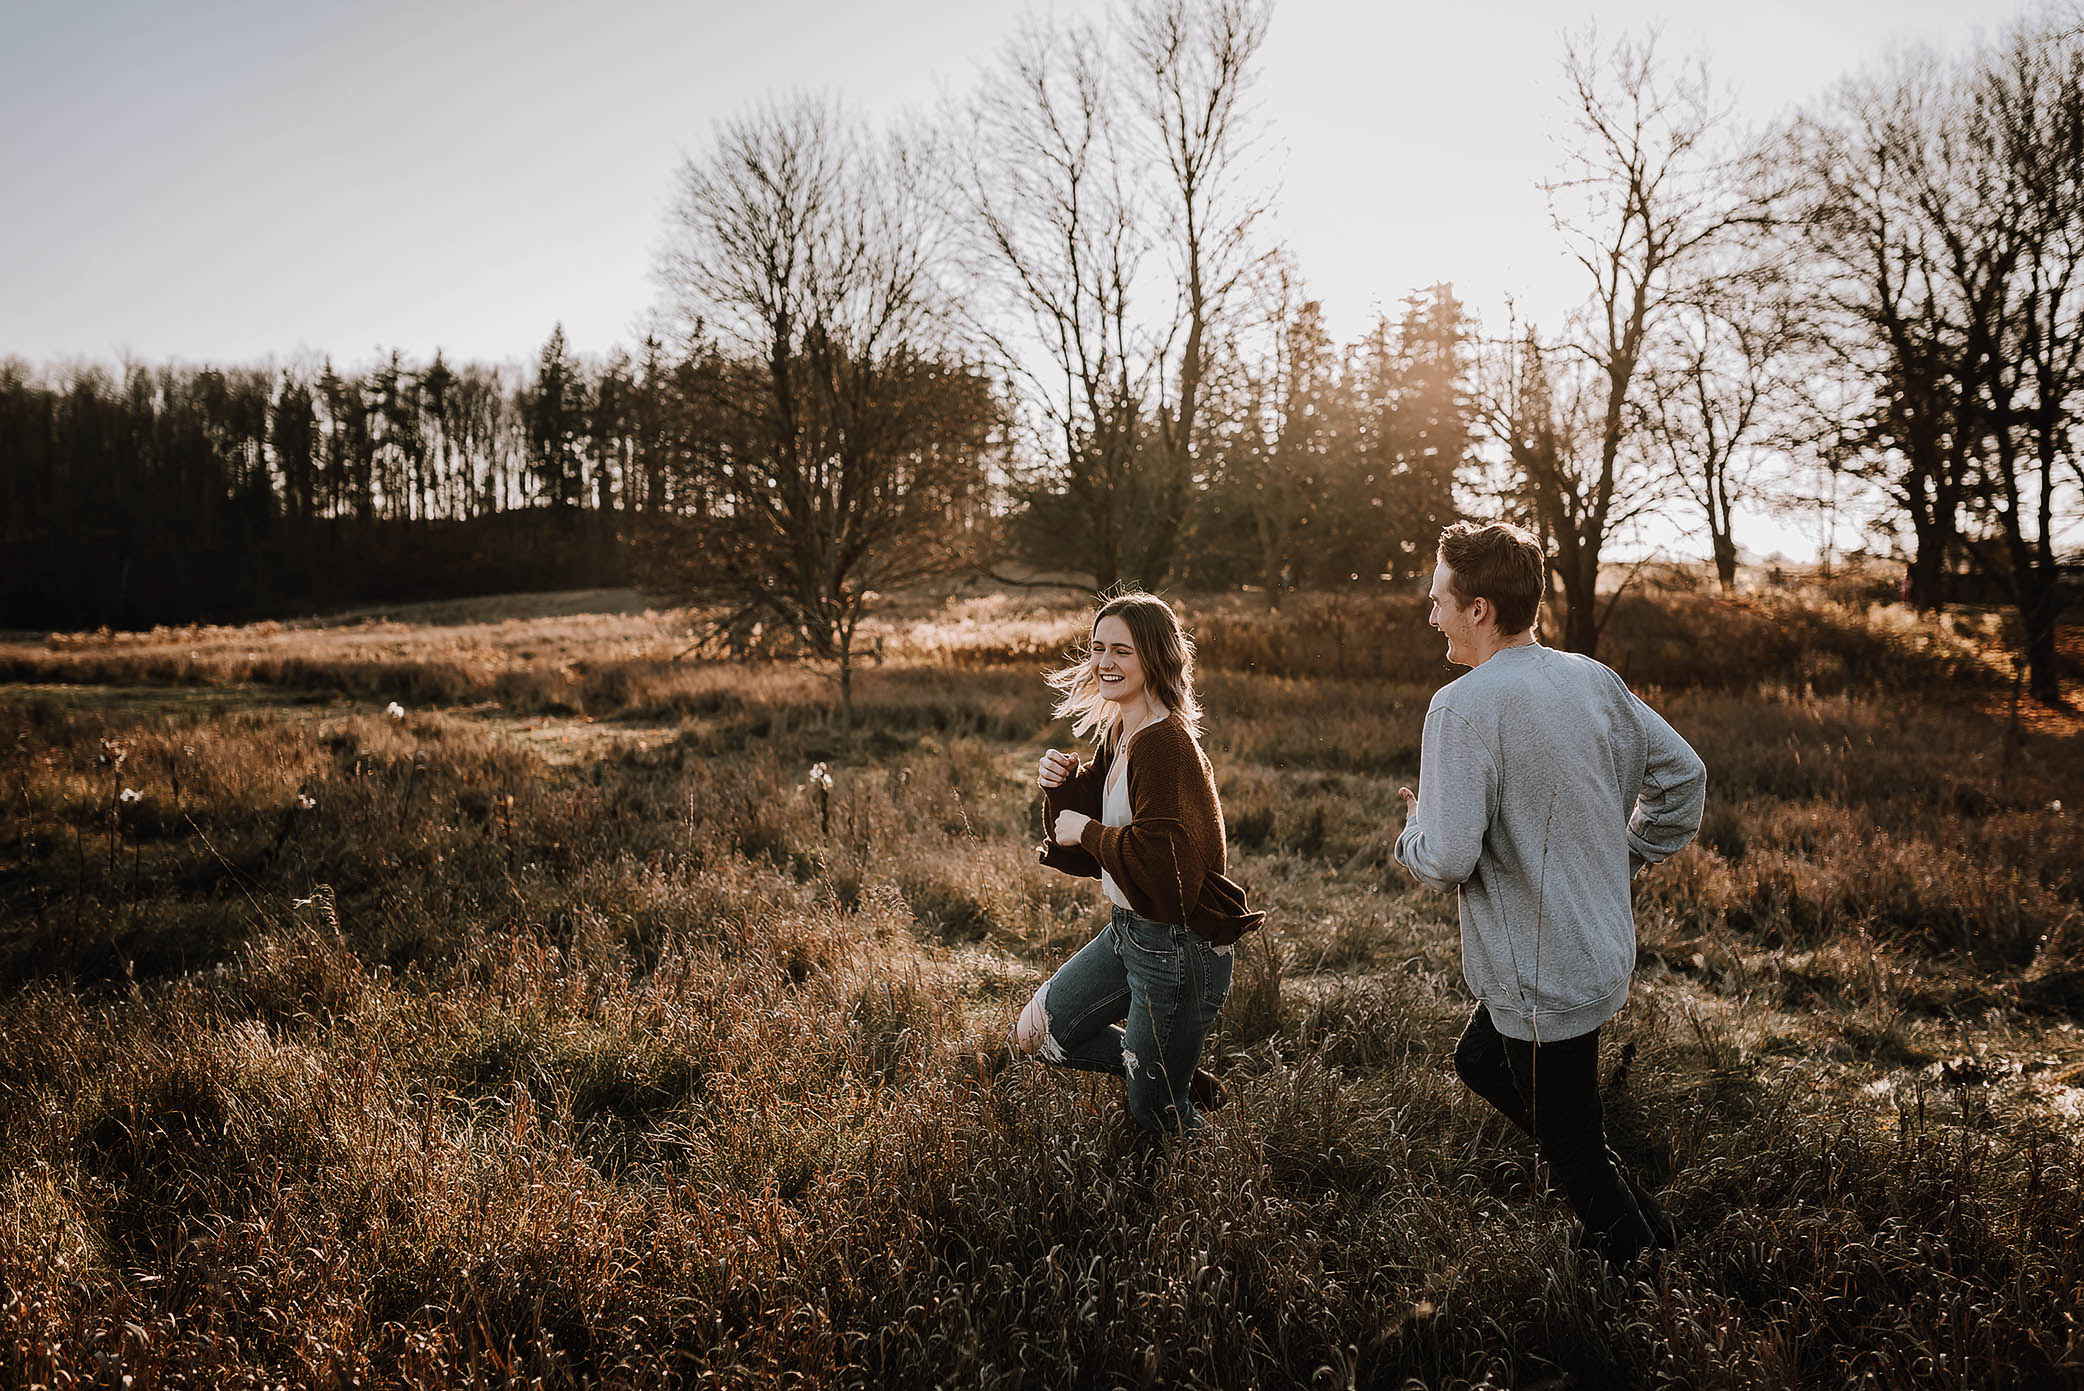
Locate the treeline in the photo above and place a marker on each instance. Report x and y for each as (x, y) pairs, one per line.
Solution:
(159, 494)
(167, 494)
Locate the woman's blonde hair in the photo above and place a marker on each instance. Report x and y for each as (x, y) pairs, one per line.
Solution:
(1167, 654)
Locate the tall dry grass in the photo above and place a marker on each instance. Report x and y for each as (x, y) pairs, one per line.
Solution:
(656, 1067)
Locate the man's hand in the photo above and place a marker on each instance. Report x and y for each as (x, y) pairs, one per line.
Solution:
(1056, 768)
(1410, 802)
(1070, 825)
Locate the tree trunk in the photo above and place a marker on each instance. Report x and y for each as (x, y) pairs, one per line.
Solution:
(2037, 613)
(846, 682)
(1726, 561)
(1107, 559)
(2034, 599)
(1928, 566)
(1272, 542)
(1579, 573)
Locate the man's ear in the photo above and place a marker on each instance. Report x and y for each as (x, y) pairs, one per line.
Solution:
(1479, 610)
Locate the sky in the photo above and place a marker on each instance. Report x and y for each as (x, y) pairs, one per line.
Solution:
(244, 182)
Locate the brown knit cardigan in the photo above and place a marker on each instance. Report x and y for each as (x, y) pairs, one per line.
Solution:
(1168, 861)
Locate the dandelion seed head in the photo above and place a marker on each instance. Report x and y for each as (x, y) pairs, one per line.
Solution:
(306, 801)
(131, 794)
(395, 710)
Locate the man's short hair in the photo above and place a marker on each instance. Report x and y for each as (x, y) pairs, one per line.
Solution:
(1499, 562)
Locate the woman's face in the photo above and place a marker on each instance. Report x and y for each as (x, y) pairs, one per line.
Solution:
(1115, 661)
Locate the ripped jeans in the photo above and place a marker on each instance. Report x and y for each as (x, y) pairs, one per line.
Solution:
(1166, 982)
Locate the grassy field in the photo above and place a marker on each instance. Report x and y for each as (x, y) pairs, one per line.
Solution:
(553, 1029)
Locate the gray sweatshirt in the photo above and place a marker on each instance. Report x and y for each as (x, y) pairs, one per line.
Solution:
(1544, 784)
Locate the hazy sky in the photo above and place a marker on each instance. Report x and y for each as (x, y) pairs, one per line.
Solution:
(216, 181)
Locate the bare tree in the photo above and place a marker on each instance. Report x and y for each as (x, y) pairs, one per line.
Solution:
(2025, 123)
(1546, 403)
(1653, 189)
(1070, 206)
(1945, 206)
(1720, 392)
(845, 447)
(1057, 240)
(1869, 181)
(1192, 61)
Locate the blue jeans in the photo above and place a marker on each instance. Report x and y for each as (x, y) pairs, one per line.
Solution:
(1135, 1002)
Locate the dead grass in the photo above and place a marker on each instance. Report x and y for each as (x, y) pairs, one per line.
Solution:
(642, 1065)
(595, 653)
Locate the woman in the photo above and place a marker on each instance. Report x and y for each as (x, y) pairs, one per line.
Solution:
(1141, 817)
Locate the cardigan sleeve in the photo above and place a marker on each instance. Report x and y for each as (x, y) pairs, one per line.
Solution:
(1079, 792)
(1154, 859)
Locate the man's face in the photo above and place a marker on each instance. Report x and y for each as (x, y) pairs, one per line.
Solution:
(1457, 622)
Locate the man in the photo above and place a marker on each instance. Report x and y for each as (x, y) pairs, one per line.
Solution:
(1547, 785)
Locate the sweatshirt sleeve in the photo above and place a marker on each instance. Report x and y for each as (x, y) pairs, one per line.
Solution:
(1674, 793)
(1458, 795)
(1153, 857)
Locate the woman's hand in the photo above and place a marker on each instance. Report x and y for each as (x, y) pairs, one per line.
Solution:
(1070, 825)
(1057, 768)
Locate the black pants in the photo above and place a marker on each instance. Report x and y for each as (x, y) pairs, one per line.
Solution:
(1551, 1091)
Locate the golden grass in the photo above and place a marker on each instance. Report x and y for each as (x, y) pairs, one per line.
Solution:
(646, 1066)
(549, 659)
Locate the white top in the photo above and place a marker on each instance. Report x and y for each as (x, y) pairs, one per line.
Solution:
(1114, 811)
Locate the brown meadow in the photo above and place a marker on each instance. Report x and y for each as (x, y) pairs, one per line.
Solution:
(556, 1030)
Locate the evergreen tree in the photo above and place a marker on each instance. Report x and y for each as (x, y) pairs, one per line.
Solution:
(1426, 440)
(398, 448)
(556, 413)
(348, 474)
(610, 433)
(293, 436)
(650, 404)
(436, 397)
(1400, 429)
